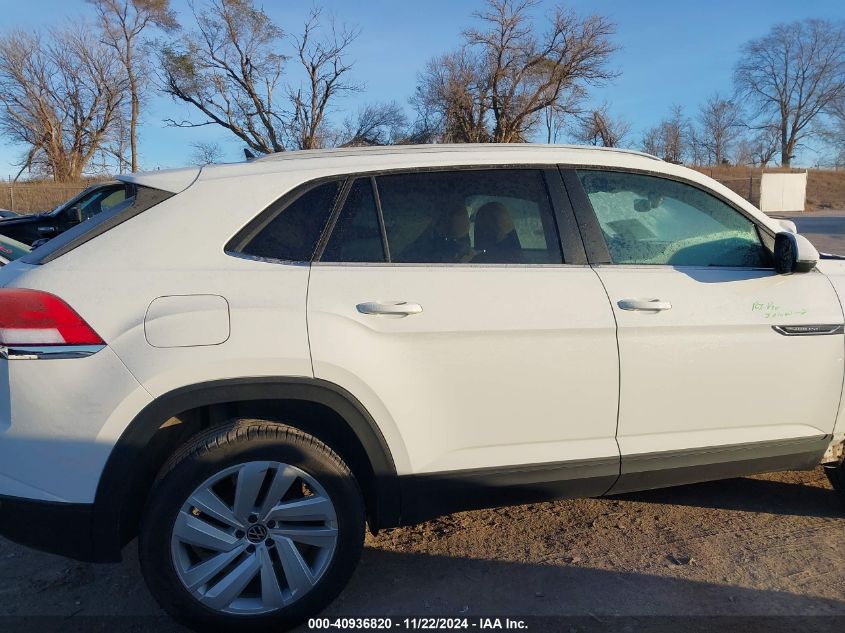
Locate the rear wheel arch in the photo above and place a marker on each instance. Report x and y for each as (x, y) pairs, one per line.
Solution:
(318, 407)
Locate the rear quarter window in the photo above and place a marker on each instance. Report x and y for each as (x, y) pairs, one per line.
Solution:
(290, 228)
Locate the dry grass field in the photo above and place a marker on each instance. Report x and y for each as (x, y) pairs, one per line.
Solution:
(37, 196)
(825, 189)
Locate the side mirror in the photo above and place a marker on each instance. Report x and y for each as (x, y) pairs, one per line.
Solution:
(788, 225)
(794, 254)
(74, 214)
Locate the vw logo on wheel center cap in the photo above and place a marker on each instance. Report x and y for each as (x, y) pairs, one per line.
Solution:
(256, 533)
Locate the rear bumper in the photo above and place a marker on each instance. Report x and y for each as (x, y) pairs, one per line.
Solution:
(60, 419)
(58, 528)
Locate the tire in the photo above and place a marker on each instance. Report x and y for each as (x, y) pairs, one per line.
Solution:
(290, 568)
(836, 475)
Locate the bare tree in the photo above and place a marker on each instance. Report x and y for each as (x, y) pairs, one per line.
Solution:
(554, 120)
(116, 146)
(791, 75)
(526, 73)
(327, 78)
(598, 127)
(422, 132)
(451, 99)
(765, 144)
(758, 148)
(832, 132)
(121, 24)
(206, 152)
(676, 131)
(697, 151)
(60, 97)
(744, 152)
(721, 125)
(669, 139)
(375, 124)
(230, 69)
(498, 86)
(557, 115)
(651, 141)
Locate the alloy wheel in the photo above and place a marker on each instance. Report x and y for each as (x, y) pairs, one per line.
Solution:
(254, 538)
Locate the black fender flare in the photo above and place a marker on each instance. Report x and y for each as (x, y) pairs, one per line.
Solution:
(119, 469)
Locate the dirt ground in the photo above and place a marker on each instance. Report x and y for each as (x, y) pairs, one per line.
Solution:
(759, 546)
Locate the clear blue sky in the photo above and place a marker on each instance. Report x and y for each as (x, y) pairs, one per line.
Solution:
(673, 51)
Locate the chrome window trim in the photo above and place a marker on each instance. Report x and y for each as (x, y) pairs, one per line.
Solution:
(443, 265)
(683, 268)
(265, 260)
(48, 352)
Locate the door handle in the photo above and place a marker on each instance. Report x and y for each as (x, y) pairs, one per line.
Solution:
(389, 308)
(644, 305)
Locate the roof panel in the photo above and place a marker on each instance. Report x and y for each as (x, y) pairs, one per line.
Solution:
(172, 180)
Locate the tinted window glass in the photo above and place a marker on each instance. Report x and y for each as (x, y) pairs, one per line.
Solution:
(292, 234)
(491, 216)
(356, 236)
(112, 199)
(11, 249)
(650, 220)
(99, 201)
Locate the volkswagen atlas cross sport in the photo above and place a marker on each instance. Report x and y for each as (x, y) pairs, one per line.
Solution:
(244, 365)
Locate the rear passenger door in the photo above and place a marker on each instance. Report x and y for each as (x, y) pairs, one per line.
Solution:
(443, 302)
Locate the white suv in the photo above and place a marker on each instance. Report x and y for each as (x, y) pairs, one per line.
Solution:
(244, 364)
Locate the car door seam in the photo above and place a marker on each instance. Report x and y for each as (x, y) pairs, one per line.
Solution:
(308, 318)
(618, 375)
(842, 388)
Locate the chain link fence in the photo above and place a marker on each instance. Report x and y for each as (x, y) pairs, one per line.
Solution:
(744, 181)
(34, 197)
(748, 188)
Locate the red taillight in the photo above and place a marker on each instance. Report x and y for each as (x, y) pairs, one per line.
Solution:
(32, 317)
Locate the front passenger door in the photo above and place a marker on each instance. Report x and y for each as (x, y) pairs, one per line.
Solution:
(712, 384)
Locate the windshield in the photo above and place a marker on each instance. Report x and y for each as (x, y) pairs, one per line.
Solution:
(94, 200)
(11, 249)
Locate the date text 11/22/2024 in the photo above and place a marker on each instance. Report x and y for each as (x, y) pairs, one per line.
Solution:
(408, 624)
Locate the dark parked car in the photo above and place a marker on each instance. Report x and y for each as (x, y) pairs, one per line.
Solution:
(88, 203)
